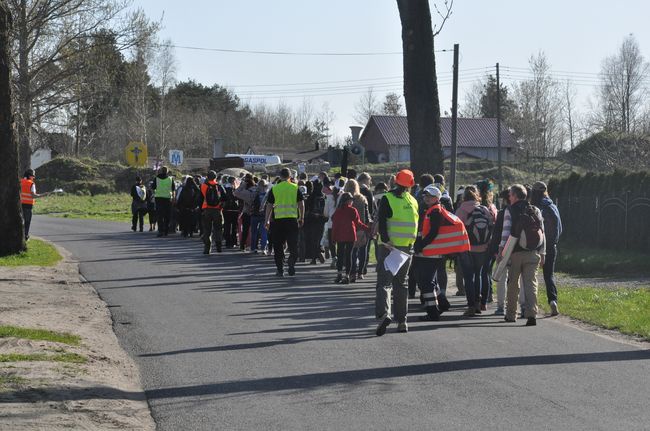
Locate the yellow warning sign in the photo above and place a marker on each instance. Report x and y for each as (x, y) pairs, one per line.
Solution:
(136, 154)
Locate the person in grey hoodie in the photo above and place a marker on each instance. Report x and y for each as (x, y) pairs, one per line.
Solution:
(553, 230)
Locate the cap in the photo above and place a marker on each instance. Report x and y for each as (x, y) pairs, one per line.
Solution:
(539, 186)
(432, 190)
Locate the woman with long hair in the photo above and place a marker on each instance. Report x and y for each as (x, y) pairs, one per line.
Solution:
(360, 248)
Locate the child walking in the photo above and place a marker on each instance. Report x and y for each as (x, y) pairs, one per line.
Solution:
(345, 223)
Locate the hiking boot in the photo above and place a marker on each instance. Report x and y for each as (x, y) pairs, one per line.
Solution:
(554, 309)
(531, 321)
(499, 312)
(339, 278)
(403, 328)
(383, 324)
(470, 312)
(292, 271)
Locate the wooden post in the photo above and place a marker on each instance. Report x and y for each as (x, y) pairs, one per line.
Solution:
(454, 123)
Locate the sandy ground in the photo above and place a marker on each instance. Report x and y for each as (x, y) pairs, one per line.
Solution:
(103, 394)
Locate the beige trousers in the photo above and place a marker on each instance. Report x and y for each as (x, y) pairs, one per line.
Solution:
(523, 264)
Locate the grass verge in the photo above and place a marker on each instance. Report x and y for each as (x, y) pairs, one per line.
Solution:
(39, 253)
(621, 309)
(39, 334)
(9, 380)
(73, 358)
(591, 261)
(107, 207)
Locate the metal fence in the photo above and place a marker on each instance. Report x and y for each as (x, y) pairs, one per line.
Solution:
(610, 221)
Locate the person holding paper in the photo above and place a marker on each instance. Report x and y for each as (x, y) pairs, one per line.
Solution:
(398, 224)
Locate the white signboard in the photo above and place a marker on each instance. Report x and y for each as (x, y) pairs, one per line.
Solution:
(175, 157)
(254, 159)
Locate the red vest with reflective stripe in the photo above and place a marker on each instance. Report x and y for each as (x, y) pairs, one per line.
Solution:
(26, 191)
(452, 236)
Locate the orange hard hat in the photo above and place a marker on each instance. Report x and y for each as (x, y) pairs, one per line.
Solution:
(405, 178)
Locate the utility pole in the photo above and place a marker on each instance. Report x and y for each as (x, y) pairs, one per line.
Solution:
(454, 123)
(499, 129)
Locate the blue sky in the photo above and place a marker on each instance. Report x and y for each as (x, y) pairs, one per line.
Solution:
(575, 35)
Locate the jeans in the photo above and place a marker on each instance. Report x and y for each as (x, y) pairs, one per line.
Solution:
(285, 231)
(164, 212)
(359, 259)
(27, 217)
(386, 282)
(472, 265)
(344, 257)
(258, 228)
(549, 272)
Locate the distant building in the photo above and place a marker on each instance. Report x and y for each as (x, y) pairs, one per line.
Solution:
(386, 139)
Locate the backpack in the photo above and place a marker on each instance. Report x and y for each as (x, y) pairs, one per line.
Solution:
(529, 224)
(256, 207)
(231, 203)
(479, 226)
(212, 195)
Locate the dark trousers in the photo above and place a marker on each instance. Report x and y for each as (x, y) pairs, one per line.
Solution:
(427, 272)
(245, 228)
(27, 218)
(549, 272)
(359, 258)
(285, 231)
(472, 265)
(137, 211)
(344, 256)
(163, 212)
(212, 227)
(313, 234)
(230, 227)
(186, 221)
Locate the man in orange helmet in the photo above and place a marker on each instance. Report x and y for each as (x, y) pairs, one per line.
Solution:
(397, 220)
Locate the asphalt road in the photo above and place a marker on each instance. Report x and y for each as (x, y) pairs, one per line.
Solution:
(223, 344)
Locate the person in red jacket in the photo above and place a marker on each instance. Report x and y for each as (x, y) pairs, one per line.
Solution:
(345, 223)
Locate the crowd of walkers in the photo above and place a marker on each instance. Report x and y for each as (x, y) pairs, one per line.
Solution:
(340, 218)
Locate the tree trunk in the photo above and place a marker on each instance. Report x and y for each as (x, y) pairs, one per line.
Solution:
(421, 87)
(11, 228)
(24, 89)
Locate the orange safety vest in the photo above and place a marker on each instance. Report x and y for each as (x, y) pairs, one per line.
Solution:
(452, 237)
(26, 197)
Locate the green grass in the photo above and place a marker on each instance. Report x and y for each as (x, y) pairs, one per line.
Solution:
(73, 358)
(6, 380)
(591, 261)
(39, 334)
(621, 309)
(108, 207)
(39, 253)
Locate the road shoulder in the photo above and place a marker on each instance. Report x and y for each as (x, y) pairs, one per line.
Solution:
(102, 392)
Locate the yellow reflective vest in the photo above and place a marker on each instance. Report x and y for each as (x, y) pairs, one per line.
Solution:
(286, 198)
(403, 225)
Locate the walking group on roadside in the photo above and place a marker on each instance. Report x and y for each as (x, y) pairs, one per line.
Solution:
(340, 218)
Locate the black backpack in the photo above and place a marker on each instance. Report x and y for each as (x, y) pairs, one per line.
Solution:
(212, 195)
(529, 226)
(479, 226)
(256, 207)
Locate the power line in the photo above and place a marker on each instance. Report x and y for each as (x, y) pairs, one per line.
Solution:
(294, 53)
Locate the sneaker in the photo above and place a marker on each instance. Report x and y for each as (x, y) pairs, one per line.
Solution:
(483, 307)
(531, 321)
(279, 273)
(292, 271)
(403, 328)
(265, 252)
(339, 278)
(554, 309)
(499, 312)
(383, 324)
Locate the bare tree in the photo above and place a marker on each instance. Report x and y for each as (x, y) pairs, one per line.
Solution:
(569, 114)
(471, 107)
(392, 105)
(165, 74)
(540, 101)
(420, 82)
(323, 123)
(305, 114)
(47, 33)
(622, 90)
(366, 107)
(11, 234)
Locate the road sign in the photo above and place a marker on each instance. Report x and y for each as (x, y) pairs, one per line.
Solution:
(175, 157)
(136, 154)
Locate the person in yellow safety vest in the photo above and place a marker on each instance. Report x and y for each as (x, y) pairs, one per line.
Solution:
(440, 233)
(28, 197)
(286, 205)
(397, 217)
(164, 189)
